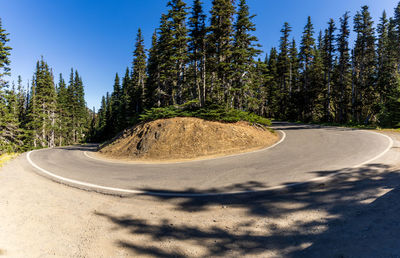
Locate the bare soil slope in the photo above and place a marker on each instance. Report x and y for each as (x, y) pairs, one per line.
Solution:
(186, 138)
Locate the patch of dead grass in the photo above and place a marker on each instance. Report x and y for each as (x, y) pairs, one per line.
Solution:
(6, 157)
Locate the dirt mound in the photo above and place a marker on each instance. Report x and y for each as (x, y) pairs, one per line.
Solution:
(186, 138)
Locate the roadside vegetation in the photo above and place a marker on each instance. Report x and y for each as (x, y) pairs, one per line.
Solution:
(211, 113)
(6, 157)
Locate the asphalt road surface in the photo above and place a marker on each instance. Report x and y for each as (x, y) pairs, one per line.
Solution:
(306, 153)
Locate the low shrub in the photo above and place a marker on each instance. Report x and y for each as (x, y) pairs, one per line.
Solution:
(211, 113)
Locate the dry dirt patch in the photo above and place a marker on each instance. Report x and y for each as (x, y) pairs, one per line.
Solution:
(186, 138)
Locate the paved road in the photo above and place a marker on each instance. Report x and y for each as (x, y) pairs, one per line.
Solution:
(306, 153)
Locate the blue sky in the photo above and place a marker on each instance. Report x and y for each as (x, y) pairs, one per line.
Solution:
(97, 36)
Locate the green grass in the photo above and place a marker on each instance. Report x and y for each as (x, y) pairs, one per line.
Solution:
(6, 157)
(211, 113)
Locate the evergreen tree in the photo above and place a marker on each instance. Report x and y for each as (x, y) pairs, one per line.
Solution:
(364, 61)
(125, 112)
(306, 56)
(165, 63)
(5, 52)
(342, 72)
(284, 69)
(396, 29)
(383, 69)
(82, 113)
(79, 116)
(272, 91)
(43, 106)
(21, 100)
(32, 121)
(102, 116)
(219, 42)
(116, 103)
(243, 53)
(6, 132)
(197, 49)
(11, 133)
(62, 112)
(138, 77)
(294, 85)
(328, 55)
(152, 86)
(108, 129)
(179, 55)
(316, 96)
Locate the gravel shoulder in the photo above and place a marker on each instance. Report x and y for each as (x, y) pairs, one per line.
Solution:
(355, 214)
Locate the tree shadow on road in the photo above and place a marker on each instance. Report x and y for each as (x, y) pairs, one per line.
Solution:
(355, 214)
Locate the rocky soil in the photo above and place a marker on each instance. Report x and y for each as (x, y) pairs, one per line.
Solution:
(187, 138)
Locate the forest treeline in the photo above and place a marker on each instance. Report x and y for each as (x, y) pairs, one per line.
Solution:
(212, 59)
(42, 114)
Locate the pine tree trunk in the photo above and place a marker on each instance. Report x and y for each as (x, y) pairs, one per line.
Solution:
(197, 79)
(203, 90)
(328, 98)
(52, 139)
(353, 99)
(290, 78)
(43, 143)
(60, 140)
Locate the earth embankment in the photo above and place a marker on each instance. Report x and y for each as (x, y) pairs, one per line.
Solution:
(186, 138)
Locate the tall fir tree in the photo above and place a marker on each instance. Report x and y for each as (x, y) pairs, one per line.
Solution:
(43, 106)
(316, 91)
(306, 56)
(6, 131)
(220, 44)
(63, 114)
(364, 62)
(197, 50)
(177, 15)
(244, 51)
(284, 69)
(272, 91)
(396, 29)
(152, 86)
(328, 55)
(116, 104)
(5, 51)
(166, 64)
(342, 72)
(125, 112)
(138, 78)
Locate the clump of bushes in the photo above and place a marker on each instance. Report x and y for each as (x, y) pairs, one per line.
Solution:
(211, 113)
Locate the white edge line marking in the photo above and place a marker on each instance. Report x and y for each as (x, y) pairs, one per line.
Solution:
(380, 155)
(187, 161)
(172, 194)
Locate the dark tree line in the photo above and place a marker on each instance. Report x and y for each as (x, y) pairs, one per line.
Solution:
(43, 114)
(214, 60)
